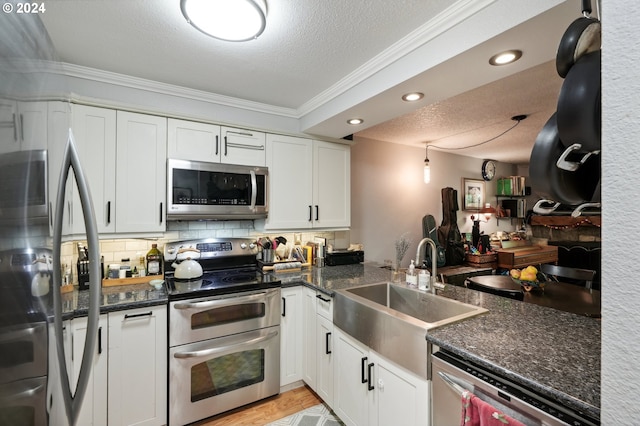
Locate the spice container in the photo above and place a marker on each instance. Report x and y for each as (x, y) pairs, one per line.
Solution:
(114, 271)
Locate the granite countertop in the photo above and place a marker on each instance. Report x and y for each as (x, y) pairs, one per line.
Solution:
(553, 352)
(116, 298)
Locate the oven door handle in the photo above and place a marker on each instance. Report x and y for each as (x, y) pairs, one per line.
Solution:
(212, 351)
(219, 302)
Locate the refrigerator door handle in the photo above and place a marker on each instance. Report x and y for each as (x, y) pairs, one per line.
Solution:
(71, 161)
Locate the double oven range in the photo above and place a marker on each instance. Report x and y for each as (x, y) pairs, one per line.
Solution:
(224, 329)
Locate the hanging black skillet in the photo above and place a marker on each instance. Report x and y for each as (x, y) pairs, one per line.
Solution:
(582, 36)
(579, 105)
(547, 180)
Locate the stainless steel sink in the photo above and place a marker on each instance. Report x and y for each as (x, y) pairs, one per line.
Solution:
(393, 320)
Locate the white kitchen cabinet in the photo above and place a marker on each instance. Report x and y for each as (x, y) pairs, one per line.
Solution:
(137, 385)
(324, 361)
(350, 375)
(190, 140)
(309, 183)
(309, 356)
(318, 344)
(290, 161)
(23, 126)
(94, 406)
(141, 155)
(291, 335)
(94, 131)
(240, 146)
(331, 185)
(370, 390)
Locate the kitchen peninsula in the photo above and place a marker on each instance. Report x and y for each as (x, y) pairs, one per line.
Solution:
(555, 353)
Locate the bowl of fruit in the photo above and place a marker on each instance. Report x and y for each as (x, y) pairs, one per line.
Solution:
(529, 278)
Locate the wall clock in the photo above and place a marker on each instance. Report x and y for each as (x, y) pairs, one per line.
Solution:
(488, 169)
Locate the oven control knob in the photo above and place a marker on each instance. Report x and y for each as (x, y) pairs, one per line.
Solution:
(171, 250)
(243, 246)
(252, 246)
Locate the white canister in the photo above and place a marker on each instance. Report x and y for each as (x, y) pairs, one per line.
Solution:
(424, 279)
(114, 271)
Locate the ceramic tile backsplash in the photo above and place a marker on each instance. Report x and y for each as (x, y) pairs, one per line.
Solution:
(114, 250)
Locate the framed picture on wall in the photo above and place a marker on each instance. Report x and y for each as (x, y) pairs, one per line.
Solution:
(472, 194)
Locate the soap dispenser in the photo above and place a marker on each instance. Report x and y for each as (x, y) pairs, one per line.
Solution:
(411, 277)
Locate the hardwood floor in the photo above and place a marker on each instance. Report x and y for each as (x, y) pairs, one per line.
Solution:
(266, 411)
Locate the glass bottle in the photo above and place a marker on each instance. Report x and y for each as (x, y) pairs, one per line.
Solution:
(154, 261)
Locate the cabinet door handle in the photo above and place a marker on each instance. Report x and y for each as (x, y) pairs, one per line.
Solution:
(319, 296)
(317, 212)
(161, 206)
(225, 146)
(310, 213)
(50, 215)
(369, 377)
(284, 307)
(108, 212)
(99, 340)
(15, 128)
(217, 142)
(146, 314)
(21, 127)
(326, 341)
(363, 366)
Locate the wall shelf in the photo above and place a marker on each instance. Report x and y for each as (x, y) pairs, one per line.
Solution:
(566, 221)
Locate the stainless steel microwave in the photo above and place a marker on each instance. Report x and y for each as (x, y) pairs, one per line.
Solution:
(23, 183)
(199, 190)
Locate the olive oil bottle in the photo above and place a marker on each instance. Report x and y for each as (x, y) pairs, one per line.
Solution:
(154, 261)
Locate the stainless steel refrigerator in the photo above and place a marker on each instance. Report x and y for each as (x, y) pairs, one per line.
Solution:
(34, 175)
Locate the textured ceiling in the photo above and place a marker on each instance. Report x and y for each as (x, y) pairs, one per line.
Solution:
(306, 47)
(322, 61)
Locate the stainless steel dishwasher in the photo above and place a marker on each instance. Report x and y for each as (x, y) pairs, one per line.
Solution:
(452, 375)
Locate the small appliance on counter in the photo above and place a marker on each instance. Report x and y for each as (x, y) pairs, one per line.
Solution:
(344, 257)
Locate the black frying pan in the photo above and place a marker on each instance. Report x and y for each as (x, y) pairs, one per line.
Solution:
(582, 36)
(579, 105)
(566, 187)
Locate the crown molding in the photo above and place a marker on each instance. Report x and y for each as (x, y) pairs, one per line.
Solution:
(447, 19)
(108, 77)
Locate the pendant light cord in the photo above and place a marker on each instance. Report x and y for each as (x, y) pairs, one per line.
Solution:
(516, 118)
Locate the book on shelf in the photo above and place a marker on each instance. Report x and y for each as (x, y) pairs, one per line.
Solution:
(511, 185)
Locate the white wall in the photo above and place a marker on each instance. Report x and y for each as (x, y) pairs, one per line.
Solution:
(621, 213)
(389, 197)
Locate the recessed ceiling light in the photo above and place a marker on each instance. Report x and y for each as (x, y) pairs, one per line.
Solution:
(504, 58)
(413, 96)
(355, 121)
(229, 20)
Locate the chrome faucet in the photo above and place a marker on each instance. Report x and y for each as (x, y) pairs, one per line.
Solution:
(433, 261)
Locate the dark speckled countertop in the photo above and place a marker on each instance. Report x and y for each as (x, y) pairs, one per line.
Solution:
(553, 352)
(117, 298)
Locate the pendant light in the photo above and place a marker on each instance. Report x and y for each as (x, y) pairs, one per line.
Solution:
(427, 169)
(229, 20)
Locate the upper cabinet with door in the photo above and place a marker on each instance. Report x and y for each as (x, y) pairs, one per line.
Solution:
(119, 150)
(23, 126)
(141, 156)
(190, 140)
(309, 183)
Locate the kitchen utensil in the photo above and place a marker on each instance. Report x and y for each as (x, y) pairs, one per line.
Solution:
(549, 181)
(581, 37)
(284, 267)
(579, 105)
(188, 268)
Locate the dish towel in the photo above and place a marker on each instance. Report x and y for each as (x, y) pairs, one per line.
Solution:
(476, 412)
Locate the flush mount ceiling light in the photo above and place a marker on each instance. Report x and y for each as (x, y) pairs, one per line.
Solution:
(412, 97)
(504, 58)
(229, 20)
(355, 121)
